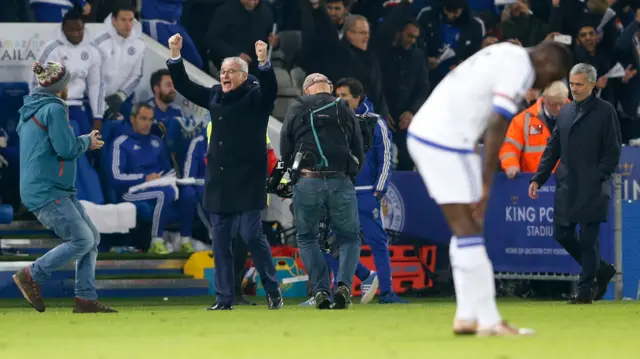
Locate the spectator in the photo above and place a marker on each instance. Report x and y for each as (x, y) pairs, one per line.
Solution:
(405, 74)
(628, 89)
(47, 146)
(569, 16)
(590, 51)
(452, 32)
(14, 11)
(137, 158)
(123, 52)
(324, 52)
(338, 11)
(235, 28)
(520, 23)
(529, 131)
(161, 19)
(85, 62)
(176, 130)
(55, 10)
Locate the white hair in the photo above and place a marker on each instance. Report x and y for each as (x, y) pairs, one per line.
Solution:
(240, 62)
(586, 69)
(556, 89)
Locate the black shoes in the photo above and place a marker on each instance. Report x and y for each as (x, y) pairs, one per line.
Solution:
(219, 306)
(322, 300)
(603, 278)
(275, 301)
(341, 298)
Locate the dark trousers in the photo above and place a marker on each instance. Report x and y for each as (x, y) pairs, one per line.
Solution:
(248, 225)
(312, 199)
(585, 249)
(240, 251)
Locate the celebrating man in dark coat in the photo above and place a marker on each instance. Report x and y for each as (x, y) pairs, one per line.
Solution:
(587, 141)
(235, 181)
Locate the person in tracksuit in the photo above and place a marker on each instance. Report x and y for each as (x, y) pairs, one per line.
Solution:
(371, 186)
(55, 10)
(138, 157)
(176, 129)
(161, 20)
(85, 62)
(123, 51)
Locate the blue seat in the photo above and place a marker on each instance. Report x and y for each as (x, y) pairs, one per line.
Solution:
(11, 99)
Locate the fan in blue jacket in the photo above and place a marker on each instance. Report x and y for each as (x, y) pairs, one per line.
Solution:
(138, 157)
(371, 186)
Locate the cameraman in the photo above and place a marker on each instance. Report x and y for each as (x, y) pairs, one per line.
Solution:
(321, 143)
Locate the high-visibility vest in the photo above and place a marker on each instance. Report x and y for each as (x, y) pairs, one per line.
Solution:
(525, 140)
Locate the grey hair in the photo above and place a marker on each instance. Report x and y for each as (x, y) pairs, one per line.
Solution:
(586, 69)
(238, 60)
(350, 21)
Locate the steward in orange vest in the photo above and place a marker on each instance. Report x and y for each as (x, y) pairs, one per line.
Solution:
(528, 133)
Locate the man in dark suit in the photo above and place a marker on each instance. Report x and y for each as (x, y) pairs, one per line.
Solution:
(235, 181)
(587, 142)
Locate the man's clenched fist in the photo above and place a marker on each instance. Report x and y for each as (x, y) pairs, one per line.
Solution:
(261, 51)
(175, 45)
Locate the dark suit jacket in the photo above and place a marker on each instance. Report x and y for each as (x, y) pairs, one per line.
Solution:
(237, 156)
(587, 141)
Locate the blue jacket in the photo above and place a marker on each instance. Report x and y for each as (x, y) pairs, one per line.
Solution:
(134, 156)
(48, 150)
(376, 171)
(194, 165)
(167, 10)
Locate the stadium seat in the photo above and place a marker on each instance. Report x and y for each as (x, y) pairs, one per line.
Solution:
(11, 99)
(290, 44)
(297, 77)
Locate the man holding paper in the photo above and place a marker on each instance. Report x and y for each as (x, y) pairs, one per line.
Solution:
(141, 173)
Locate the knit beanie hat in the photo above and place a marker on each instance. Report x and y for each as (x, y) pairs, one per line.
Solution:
(52, 77)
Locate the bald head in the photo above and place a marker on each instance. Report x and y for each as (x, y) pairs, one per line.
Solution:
(551, 61)
(316, 83)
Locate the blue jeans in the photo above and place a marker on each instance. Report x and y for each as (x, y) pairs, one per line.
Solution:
(312, 199)
(67, 218)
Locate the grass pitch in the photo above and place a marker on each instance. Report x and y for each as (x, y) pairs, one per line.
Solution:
(180, 328)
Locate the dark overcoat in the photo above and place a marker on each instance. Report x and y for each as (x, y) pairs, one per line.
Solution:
(236, 173)
(587, 142)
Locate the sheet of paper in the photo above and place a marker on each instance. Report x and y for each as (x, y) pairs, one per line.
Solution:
(616, 71)
(447, 54)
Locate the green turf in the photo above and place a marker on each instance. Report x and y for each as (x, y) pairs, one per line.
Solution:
(107, 256)
(180, 328)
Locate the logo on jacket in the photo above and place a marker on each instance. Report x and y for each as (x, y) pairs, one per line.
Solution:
(535, 130)
(393, 209)
(131, 51)
(155, 143)
(84, 56)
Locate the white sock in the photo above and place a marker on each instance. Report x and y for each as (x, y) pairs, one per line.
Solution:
(465, 306)
(474, 273)
(185, 240)
(155, 240)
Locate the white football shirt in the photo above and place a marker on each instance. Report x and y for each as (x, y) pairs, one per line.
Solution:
(457, 112)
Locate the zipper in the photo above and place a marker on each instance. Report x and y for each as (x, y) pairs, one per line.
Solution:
(61, 172)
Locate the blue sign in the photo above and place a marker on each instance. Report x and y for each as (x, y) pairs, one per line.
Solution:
(518, 229)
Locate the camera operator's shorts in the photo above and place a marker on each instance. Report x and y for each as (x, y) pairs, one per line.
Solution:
(451, 175)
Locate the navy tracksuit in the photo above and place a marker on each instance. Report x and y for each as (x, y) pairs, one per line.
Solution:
(194, 167)
(373, 177)
(161, 20)
(134, 156)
